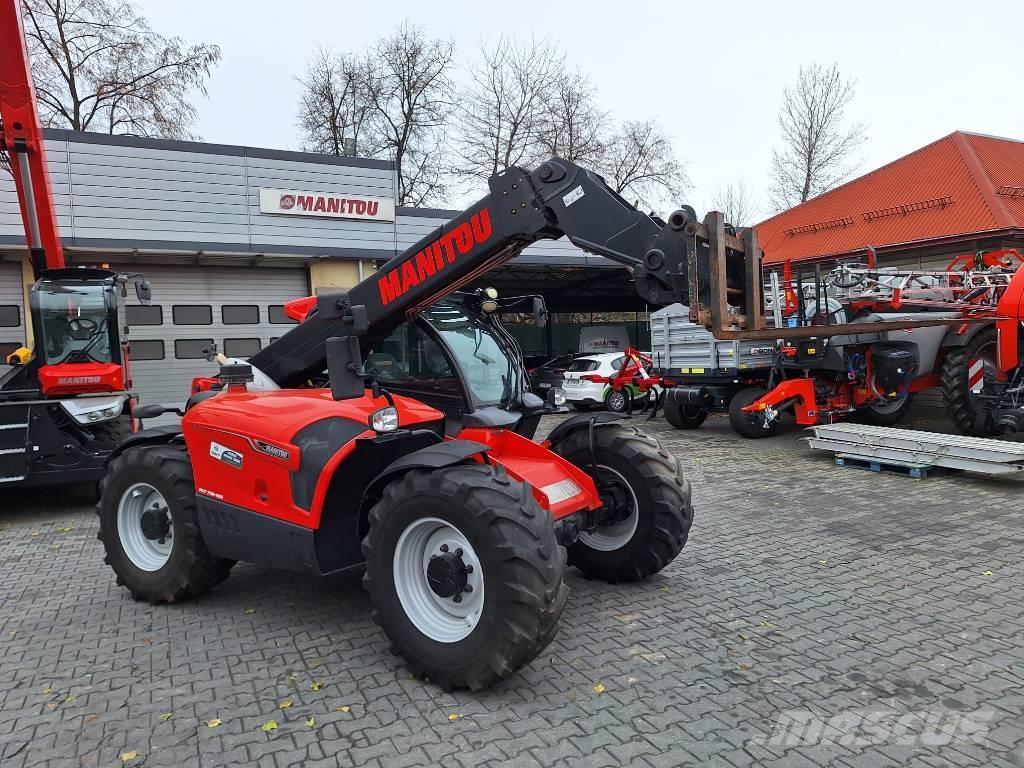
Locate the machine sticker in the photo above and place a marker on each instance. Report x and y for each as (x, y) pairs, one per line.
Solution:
(573, 196)
(761, 350)
(271, 450)
(228, 456)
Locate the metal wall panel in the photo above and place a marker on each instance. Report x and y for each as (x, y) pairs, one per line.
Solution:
(168, 380)
(11, 295)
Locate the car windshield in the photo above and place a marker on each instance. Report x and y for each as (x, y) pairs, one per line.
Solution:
(488, 370)
(583, 365)
(74, 323)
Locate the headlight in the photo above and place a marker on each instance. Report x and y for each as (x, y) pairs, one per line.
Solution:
(384, 420)
(94, 416)
(491, 293)
(109, 413)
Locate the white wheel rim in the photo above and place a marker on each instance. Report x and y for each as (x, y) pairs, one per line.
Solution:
(608, 538)
(146, 554)
(889, 406)
(439, 618)
(616, 401)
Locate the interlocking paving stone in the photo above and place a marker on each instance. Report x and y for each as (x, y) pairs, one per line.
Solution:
(806, 591)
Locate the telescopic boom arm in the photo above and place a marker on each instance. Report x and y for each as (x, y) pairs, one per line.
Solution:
(21, 140)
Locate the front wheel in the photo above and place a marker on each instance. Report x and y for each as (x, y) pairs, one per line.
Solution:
(750, 424)
(149, 526)
(647, 514)
(464, 574)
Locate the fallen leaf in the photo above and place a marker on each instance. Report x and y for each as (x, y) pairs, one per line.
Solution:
(293, 676)
(70, 700)
(822, 562)
(744, 637)
(986, 573)
(250, 611)
(285, 704)
(310, 721)
(126, 756)
(270, 725)
(67, 529)
(166, 716)
(52, 705)
(14, 633)
(316, 685)
(745, 666)
(599, 688)
(213, 723)
(344, 708)
(47, 690)
(314, 664)
(767, 625)
(453, 716)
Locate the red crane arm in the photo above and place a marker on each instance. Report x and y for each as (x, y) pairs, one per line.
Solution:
(21, 137)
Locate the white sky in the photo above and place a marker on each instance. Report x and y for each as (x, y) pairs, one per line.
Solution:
(711, 73)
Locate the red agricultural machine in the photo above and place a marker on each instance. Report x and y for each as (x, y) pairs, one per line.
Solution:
(65, 404)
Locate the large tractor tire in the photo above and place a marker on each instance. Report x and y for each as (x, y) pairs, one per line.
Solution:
(884, 414)
(683, 416)
(967, 411)
(464, 574)
(643, 488)
(750, 424)
(149, 527)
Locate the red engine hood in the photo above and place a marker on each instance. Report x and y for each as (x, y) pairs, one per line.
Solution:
(80, 378)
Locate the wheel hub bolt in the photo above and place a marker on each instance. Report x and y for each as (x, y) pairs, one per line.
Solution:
(444, 547)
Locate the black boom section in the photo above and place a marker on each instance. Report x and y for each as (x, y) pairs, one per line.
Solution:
(558, 198)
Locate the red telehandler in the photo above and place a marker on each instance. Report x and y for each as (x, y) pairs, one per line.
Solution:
(65, 404)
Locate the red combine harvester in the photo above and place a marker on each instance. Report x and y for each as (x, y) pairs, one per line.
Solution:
(65, 404)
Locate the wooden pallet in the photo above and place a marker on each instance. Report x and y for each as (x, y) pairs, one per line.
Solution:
(910, 469)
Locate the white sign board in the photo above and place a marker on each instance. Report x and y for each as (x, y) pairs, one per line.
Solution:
(290, 202)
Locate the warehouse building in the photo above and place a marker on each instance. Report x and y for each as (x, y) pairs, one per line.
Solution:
(228, 234)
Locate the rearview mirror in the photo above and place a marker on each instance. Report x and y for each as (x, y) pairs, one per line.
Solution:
(144, 290)
(540, 311)
(344, 367)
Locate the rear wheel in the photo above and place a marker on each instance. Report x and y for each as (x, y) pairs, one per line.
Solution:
(964, 372)
(464, 573)
(684, 416)
(150, 529)
(750, 424)
(618, 400)
(647, 513)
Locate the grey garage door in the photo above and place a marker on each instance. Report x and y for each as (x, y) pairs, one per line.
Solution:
(12, 313)
(238, 308)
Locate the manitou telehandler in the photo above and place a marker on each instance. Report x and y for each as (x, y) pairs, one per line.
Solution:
(65, 404)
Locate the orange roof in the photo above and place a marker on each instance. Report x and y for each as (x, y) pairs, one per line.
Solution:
(962, 184)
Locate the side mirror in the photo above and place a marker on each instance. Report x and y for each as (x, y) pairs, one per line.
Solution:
(344, 367)
(144, 290)
(540, 312)
(150, 411)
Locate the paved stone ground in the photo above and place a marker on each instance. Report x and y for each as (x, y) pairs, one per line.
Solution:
(818, 617)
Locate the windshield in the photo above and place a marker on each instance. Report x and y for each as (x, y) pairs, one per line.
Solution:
(490, 373)
(74, 323)
(582, 366)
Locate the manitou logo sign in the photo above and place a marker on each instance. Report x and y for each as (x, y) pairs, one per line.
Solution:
(291, 203)
(436, 257)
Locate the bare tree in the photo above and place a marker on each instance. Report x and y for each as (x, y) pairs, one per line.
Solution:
(639, 162)
(336, 103)
(572, 126)
(505, 107)
(817, 144)
(99, 66)
(736, 202)
(411, 97)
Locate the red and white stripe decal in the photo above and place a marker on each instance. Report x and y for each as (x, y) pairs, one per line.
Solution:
(976, 374)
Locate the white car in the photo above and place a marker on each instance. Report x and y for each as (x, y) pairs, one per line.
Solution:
(584, 394)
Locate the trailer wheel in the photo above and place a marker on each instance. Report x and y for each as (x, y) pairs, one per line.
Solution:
(618, 400)
(684, 416)
(968, 412)
(150, 529)
(464, 574)
(885, 414)
(646, 498)
(750, 424)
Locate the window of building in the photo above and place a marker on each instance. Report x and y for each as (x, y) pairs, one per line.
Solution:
(240, 314)
(241, 347)
(277, 315)
(6, 348)
(191, 349)
(149, 315)
(150, 349)
(192, 314)
(10, 316)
